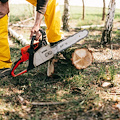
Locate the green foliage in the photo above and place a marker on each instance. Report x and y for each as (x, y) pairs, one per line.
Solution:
(102, 71)
(112, 71)
(118, 33)
(20, 12)
(93, 16)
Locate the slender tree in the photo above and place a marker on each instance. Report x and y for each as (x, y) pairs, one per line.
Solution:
(66, 15)
(107, 32)
(103, 15)
(83, 15)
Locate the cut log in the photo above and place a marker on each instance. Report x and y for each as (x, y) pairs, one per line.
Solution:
(82, 58)
(50, 69)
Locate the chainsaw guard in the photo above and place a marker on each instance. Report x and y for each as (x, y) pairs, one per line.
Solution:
(20, 61)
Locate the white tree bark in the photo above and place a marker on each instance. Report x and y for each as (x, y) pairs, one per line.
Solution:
(66, 15)
(18, 37)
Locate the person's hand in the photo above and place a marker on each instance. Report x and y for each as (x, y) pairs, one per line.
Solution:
(35, 31)
(36, 27)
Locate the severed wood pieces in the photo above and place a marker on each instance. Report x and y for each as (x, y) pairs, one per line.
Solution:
(50, 69)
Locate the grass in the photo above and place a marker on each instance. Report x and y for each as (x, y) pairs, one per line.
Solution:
(92, 15)
(81, 89)
(20, 12)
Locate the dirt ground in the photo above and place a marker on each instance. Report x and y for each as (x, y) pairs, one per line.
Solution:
(108, 55)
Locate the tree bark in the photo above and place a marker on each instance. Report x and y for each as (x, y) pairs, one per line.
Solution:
(103, 15)
(107, 32)
(83, 15)
(66, 15)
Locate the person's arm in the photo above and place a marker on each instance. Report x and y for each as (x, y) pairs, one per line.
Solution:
(41, 8)
(3, 1)
(36, 27)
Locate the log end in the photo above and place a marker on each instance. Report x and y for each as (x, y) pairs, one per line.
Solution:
(82, 58)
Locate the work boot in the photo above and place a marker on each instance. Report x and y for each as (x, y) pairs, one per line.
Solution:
(55, 43)
(5, 72)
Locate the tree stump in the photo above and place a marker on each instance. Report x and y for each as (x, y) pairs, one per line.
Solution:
(82, 58)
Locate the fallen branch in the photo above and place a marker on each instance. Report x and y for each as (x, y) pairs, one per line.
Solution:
(114, 93)
(91, 26)
(22, 21)
(18, 25)
(48, 103)
(88, 26)
(27, 26)
(18, 37)
(56, 103)
(32, 18)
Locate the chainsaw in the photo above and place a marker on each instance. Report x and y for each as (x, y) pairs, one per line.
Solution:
(41, 52)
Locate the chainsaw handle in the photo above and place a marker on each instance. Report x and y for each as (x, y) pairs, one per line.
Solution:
(43, 39)
(32, 41)
(17, 63)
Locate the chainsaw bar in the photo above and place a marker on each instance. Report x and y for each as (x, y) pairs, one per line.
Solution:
(45, 53)
(70, 41)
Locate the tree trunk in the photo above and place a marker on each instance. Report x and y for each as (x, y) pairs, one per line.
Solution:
(107, 32)
(83, 15)
(103, 15)
(81, 57)
(66, 15)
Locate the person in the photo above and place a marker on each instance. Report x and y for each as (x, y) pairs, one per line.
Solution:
(5, 58)
(50, 10)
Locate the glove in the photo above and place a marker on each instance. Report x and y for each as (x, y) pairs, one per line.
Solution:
(3, 1)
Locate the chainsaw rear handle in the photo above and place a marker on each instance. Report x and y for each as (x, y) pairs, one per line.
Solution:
(23, 59)
(17, 63)
(30, 51)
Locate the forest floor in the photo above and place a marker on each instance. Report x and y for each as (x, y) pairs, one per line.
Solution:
(70, 94)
